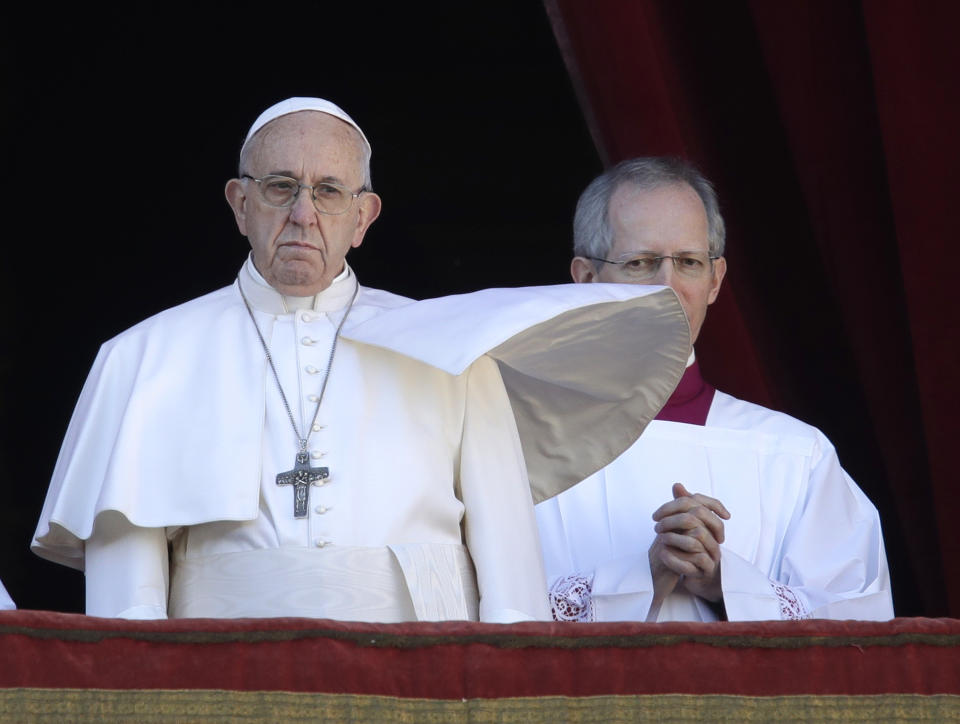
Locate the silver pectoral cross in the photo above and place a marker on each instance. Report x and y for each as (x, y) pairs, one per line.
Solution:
(301, 478)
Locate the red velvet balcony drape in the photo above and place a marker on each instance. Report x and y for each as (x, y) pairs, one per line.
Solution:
(830, 131)
(72, 668)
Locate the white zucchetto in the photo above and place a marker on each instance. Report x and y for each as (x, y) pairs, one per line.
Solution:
(295, 105)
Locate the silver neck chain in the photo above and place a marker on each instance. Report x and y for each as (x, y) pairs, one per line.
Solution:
(302, 440)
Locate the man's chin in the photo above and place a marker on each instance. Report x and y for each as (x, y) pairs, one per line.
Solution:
(299, 279)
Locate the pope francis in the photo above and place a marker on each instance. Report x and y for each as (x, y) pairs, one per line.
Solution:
(296, 444)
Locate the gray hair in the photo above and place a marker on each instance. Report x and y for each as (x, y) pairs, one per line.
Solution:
(592, 233)
(365, 151)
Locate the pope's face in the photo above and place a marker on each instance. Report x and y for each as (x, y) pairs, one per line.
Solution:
(298, 250)
(666, 221)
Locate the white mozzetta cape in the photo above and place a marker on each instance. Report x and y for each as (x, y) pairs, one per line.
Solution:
(180, 426)
(803, 541)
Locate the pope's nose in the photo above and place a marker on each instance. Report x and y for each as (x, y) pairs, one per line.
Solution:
(302, 210)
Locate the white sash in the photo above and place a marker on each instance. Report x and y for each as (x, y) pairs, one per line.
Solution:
(347, 583)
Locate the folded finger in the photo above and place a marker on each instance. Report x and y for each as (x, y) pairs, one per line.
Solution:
(703, 565)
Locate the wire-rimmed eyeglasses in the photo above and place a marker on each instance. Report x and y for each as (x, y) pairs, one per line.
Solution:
(328, 197)
(644, 266)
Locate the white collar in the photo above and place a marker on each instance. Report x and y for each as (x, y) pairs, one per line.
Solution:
(265, 298)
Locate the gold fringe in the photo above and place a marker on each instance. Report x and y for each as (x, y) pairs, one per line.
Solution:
(150, 705)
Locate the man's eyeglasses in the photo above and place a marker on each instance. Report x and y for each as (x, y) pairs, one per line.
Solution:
(644, 266)
(282, 191)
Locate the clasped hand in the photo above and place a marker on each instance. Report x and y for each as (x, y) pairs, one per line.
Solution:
(686, 551)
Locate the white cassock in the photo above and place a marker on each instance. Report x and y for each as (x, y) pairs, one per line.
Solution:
(6, 603)
(802, 541)
(180, 433)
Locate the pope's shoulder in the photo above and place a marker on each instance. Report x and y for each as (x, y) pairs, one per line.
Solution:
(222, 306)
(209, 306)
(382, 298)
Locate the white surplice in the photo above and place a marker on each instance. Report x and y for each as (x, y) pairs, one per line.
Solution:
(180, 431)
(803, 541)
(6, 603)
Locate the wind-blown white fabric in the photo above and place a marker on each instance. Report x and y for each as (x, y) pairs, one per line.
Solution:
(180, 431)
(575, 409)
(803, 541)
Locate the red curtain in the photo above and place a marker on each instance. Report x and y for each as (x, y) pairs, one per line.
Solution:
(829, 129)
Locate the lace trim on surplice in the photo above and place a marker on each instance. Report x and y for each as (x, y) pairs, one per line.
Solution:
(571, 599)
(791, 607)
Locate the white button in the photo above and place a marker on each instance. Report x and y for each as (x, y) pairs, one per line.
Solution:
(311, 370)
(312, 398)
(306, 317)
(316, 454)
(321, 543)
(309, 341)
(317, 428)
(321, 482)
(321, 509)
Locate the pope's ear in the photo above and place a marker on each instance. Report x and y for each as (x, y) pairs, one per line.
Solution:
(369, 209)
(236, 193)
(582, 270)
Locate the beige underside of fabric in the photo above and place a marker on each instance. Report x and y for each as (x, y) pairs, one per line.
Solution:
(412, 582)
(573, 421)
